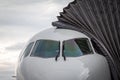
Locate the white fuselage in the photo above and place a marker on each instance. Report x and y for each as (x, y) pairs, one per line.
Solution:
(86, 67)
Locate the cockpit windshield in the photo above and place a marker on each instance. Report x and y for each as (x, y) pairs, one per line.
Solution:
(46, 49)
(71, 48)
(76, 47)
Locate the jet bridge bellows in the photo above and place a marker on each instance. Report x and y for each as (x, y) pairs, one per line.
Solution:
(100, 20)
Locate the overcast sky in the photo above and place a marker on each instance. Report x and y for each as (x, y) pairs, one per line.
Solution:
(20, 20)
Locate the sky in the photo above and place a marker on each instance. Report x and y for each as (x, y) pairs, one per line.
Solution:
(19, 21)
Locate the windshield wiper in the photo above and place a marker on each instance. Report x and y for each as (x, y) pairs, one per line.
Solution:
(63, 55)
(56, 58)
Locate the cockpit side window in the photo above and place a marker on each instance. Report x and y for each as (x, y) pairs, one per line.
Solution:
(28, 49)
(46, 49)
(77, 47)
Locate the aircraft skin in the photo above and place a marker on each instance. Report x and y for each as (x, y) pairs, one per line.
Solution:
(91, 66)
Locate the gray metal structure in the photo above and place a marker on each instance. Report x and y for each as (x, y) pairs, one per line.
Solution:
(100, 20)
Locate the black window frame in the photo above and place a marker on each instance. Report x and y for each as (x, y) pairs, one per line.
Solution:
(43, 57)
(30, 44)
(23, 53)
(89, 45)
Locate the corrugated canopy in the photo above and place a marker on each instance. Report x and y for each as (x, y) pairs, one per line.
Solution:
(100, 20)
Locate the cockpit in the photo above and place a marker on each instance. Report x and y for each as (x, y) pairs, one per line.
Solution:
(53, 49)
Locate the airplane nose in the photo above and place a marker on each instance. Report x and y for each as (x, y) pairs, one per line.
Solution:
(67, 70)
(67, 75)
(58, 70)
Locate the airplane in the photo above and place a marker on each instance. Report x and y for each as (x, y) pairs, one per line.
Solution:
(61, 54)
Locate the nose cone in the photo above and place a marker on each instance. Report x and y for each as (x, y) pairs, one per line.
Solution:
(66, 70)
(67, 74)
(51, 70)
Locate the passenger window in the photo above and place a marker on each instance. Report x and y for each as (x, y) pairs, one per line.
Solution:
(46, 49)
(77, 47)
(27, 50)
